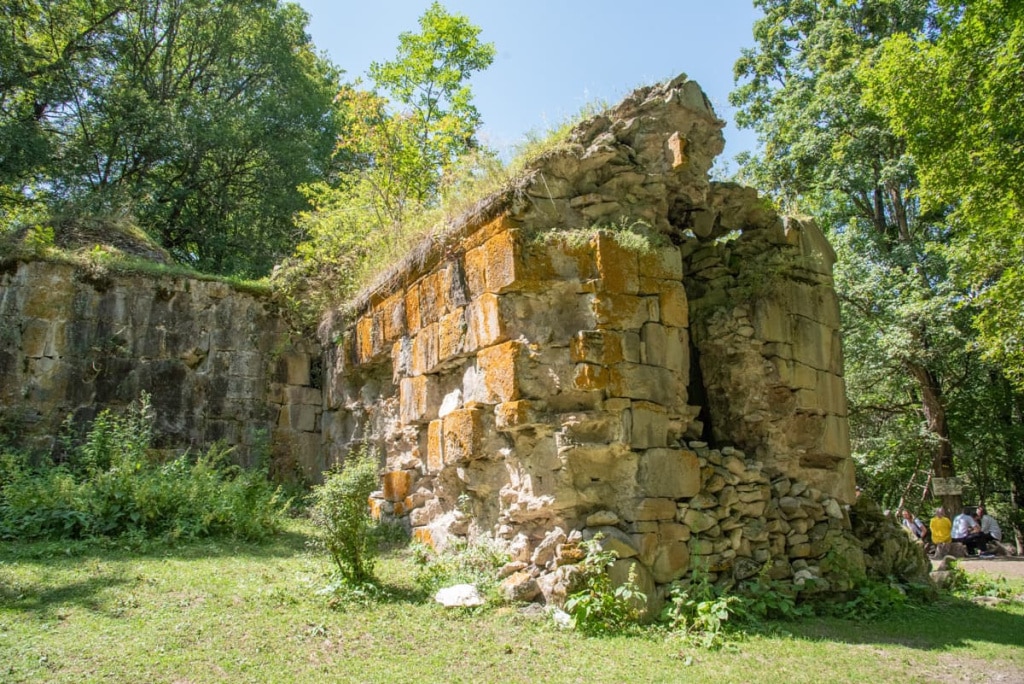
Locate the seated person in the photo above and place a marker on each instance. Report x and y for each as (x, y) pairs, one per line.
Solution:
(913, 525)
(967, 532)
(940, 527)
(989, 527)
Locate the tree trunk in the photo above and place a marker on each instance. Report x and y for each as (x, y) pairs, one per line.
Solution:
(934, 408)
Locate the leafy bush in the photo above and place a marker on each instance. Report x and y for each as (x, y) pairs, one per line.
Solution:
(342, 519)
(109, 487)
(599, 608)
(698, 612)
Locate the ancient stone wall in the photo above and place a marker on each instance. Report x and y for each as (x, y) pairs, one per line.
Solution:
(218, 363)
(684, 400)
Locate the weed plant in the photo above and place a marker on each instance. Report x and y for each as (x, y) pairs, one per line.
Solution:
(599, 608)
(341, 516)
(109, 487)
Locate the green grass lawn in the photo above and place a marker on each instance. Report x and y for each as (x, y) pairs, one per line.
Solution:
(217, 611)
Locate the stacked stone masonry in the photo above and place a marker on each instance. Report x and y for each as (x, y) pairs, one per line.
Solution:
(685, 401)
(218, 363)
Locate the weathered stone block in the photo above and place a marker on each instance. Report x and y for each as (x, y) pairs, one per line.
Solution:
(463, 435)
(500, 261)
(485, 322)
(618, 311)
(650, 424)
(298, 417)
(392, 311)
(665, 263)
(671, 473)
(297, 368)
(590, 377)
(515, 415)
(649, 383)
(412, 310)
(673, 307)
(451, 335)
(650, 509)
(397, 485)
(671, 561)
(665, 347)
(435, 446)
(616, 267)
(425, 350)
(604, 347)
(501, 366)
(419, 398)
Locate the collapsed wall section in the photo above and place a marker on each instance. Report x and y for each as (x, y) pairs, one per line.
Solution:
(218, 363)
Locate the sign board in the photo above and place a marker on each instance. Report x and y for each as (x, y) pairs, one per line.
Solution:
(946, 486)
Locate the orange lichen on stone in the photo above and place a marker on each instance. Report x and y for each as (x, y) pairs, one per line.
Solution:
(513, 415)
(366, 338)
(375, 508)
(463, 433)
(616, 267)
(677, 151)
(451, 335)
(497, 225)
(475, 269)
(431, 288)
(619, 311)
(392, 313)
(500, 256)
(485, 324)
(435, 446)
(500, 366)
(412, 310)
(397, 484)
(664, 263)
(596, 346)
(589, 377)
(423, 536)
(672, 305)
(425, 350)
(418, 399)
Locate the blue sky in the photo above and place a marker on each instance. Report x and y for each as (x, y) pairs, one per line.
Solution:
(554, 56)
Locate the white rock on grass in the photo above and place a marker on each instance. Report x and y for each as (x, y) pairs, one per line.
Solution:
(460, 595)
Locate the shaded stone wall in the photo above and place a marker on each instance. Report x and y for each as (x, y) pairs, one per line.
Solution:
(218, 363)
(685, 401)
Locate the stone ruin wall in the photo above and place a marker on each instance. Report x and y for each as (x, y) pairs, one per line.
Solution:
(219, 364)
(687, 403)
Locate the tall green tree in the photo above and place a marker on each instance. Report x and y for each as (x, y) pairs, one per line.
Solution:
(957, 97)
(200, 118)
(404, 134)
(826, 153)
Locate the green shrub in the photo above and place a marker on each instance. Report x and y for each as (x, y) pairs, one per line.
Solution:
(599, 608)
(109, 487)
(699, 612)
(341, 515)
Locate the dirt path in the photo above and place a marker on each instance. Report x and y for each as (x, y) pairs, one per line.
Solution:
(1010, 567)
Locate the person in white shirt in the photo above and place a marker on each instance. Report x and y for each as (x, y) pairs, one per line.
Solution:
(989, 526)
(967, 532)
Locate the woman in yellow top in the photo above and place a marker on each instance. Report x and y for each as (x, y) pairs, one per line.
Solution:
(941, 526)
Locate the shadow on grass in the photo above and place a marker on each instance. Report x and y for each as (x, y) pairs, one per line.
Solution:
(949, 624)
(286, 543)
(45, 601)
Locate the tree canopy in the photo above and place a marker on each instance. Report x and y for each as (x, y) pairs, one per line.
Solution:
(814, 89)
(199, 119)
